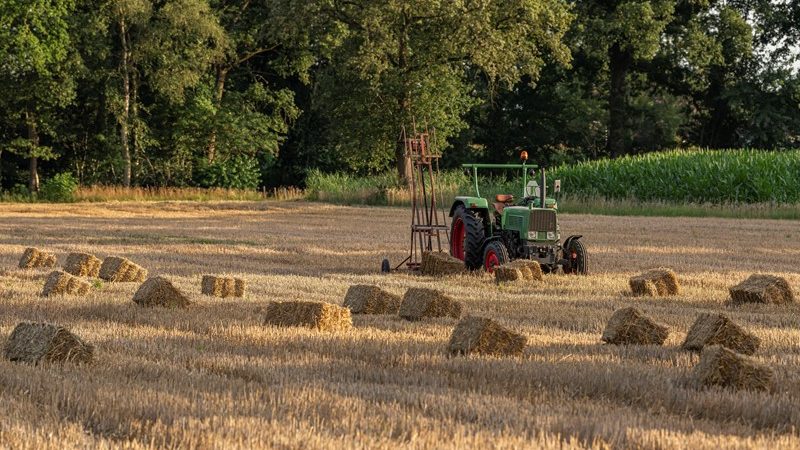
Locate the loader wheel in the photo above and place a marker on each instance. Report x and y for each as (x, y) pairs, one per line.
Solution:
(466, 238)
(495, 254)
(578, 258)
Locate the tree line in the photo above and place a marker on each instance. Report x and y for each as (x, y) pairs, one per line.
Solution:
(248, 93)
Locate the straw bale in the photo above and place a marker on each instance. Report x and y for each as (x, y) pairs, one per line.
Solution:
(440, 263)
(485, 336)
(118, 269)
(630, 326)
(159, 291)
(238, 287)
(82, 265)
(718, 329)
(762, 289)
(719, 366)
(33, 258)
(655, 282)
(43, 342)
(369, 299)
(419, 303)
(317, 315)
(507, 272)
(223, 287)
(61, 283)
(531, 270)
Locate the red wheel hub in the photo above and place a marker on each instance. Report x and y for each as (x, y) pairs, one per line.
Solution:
(491, 261)
(457, 239)
(573, 262)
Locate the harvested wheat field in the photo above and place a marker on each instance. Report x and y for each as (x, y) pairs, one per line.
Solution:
(212, 375)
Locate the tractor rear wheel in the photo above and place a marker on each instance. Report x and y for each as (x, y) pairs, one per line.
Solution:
(495, 254)
(578, 258)
(466, 237)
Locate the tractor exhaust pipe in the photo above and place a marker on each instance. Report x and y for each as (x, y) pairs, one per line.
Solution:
(543, 190)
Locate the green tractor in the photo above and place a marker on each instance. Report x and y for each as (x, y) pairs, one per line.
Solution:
(486, 235)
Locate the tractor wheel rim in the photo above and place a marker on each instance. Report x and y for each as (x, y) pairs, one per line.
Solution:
(492, 261)
(457, 239)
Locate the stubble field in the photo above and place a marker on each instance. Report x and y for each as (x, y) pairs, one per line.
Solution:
(213, 376)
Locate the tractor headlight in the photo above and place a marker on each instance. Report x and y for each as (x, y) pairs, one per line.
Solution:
(551, 236)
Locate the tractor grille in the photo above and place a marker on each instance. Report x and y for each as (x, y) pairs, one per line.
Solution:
(543, 220)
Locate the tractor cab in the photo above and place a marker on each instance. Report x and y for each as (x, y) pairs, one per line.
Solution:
(485, 234)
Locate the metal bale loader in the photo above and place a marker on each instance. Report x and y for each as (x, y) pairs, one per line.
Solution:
(486, 235)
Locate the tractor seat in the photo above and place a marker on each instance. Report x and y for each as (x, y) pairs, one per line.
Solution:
(502, 201)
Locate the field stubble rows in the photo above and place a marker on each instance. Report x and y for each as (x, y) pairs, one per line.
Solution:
(212, 376)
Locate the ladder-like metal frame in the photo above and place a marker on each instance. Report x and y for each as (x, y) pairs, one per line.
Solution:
(426, 227)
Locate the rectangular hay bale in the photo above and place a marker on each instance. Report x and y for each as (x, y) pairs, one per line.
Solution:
(33, 258)
(82, 265)
(507, 273)
(317, 315)
(223, 287)
(531, 270)
(758, 288)
(419, 303)
(630, 326)
(718, 329)
(656, 282)
(33, 343)
(485, 336)
(63, 283)
(122, 270)
(370, 299)
(159, 291)
(440, 263)
(720, 366)
(239, 287)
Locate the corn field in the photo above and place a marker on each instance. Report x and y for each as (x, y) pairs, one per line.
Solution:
(696, 176)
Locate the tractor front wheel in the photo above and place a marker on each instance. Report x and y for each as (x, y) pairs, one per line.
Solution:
(466, 237)
(577, 257)
(495, 254)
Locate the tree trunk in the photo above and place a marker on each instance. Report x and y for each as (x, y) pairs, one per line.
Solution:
(126, 92)
(219, 90)
(620, 62)
(715, 133)
(33, 137)
(135, 140)
(403, 161)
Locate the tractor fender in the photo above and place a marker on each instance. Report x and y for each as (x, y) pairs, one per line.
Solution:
(456, 204)
(480, 206)
(569, 240)
(473, 203)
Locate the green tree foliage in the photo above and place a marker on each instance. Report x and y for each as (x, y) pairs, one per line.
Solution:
(270, 32)
(59, 188)
(240, 93)
(397, 61)
(621, 33)
(37, 64)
